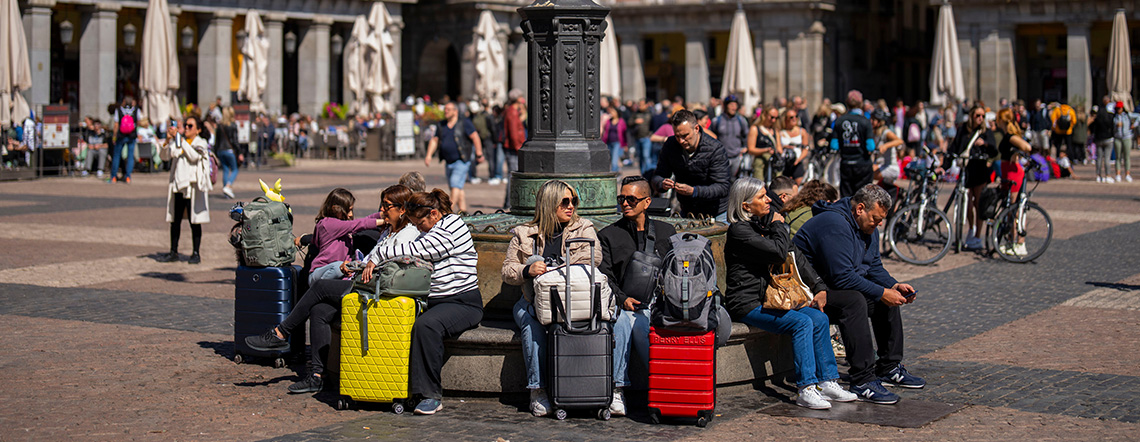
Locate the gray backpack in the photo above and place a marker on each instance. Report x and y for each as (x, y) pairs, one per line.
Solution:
(267, 233)
(688, 298)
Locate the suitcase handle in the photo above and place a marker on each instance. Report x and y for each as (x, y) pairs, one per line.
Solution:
(595, 301)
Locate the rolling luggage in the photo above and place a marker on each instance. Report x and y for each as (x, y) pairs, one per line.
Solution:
(580, 355)
(682, 375)
(376, 332)
(263, 297)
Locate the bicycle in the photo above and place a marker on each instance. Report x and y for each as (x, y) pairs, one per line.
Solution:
(817, 164)
(1022, 230)
(919, 233)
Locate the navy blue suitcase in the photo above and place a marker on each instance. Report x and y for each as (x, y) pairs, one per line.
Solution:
(263, 297)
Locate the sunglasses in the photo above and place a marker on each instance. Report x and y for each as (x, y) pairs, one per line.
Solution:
(190, 126)
(568, 202)
(387, 205)
(409, 206)
(629, 199)
(979, 115)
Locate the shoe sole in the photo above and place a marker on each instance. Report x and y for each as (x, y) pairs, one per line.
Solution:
(428, 413)
(304, 391)
(842, 400)
(879, 402)
(913, 387)
(814, 408)
(283, 348)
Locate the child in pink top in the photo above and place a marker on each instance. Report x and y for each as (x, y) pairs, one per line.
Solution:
(333, 234)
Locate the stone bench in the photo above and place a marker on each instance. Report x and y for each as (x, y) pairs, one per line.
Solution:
(488, 359)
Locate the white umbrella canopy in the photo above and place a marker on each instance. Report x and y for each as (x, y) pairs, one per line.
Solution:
(255, 64)
(610, 75)
(490, 61)
(354, 64)
(946, 82)
(159, 76)
(15, 69)
(1120, 62)
(381, 71)
(740, 76)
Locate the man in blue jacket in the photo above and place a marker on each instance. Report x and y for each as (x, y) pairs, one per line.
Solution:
(841, 241)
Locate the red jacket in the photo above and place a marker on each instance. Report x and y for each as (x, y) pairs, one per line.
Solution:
(516, 134)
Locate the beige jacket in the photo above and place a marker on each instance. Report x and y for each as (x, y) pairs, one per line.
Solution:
(522, 247)
(190, 176)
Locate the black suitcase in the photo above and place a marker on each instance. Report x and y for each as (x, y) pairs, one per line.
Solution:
(580, 356)
(263, 297)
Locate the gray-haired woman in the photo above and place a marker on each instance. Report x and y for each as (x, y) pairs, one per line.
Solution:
(555, 221)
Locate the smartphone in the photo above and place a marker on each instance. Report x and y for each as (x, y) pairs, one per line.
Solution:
(911, 295)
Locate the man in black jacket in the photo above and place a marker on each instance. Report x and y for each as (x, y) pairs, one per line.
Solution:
(619, 241)
(695, 166)
(854, 139)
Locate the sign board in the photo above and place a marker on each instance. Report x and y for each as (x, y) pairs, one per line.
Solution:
(405, 133)
(241, 119)
(57, 127)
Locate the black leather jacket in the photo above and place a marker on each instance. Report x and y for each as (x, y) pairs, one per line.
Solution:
(750, 250)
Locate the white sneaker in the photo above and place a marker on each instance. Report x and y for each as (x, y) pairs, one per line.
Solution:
(84, 173)
(1099, 179)
(495, 181)
(1007, 250)
(617, 407)
(1128, 178)
(810, 397)
(99, 173)
(1118, 178)
(228, 191)
(476, 180)
(539, 404)
(833, 392)
(1020, 250)
(1108, 180)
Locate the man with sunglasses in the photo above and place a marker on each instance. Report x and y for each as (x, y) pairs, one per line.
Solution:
(695, 166)
(628, 246)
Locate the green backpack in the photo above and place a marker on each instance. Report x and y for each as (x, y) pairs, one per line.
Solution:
(267, 233)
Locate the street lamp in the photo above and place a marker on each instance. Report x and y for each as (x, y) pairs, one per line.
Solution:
(129, 34)
(290, 43)
(66, 32)
(187, 38)
(337, 45)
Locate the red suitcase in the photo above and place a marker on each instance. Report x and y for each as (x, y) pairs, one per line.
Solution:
(682, 375)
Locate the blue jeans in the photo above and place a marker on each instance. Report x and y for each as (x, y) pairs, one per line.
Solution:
(645, 153)
(130, 143)
(811, 340)
(533, 336)
(615, 156)
(457, 173)
(327, 271)
(631, 328)
(495, 158)
(229, 166)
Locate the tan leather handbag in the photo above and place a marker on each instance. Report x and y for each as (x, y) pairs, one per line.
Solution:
(786, 291)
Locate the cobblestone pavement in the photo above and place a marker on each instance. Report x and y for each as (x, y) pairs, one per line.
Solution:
(110, 345)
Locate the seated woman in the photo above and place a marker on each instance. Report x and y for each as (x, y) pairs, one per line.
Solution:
(555, 220)
(454, 305)
(799, 207)
(321, 303)
(333, 232)
(757, 239)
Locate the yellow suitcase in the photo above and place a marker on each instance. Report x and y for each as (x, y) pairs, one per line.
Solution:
(375, 368)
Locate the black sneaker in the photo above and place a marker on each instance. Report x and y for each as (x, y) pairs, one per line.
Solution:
(195, 258)
(874, 392)
(899, 377)
(167, 257)
(267, 341)
(310, 384)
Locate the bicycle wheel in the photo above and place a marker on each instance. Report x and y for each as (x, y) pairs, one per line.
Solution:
(917, 246)
(1024, 239)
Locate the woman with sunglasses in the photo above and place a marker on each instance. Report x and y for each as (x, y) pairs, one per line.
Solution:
(797, 145)
(764, 144)
(535, 247)
(189, 157)
(321, 303)
(977, 168)
(454, 304)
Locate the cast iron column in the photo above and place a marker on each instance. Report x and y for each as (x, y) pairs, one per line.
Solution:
(564, 133)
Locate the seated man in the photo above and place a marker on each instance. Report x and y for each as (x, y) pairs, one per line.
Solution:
(782, 190)
(842, 243)
(695, 165)
(619, 241)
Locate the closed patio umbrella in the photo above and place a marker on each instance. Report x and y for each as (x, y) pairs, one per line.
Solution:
(159, 78)
(946, 83)
(610, 75)
(490, 61)
(1120, 62)
(15, 70)
(381, 71)
(255, 65)
(354, 65)
(740, 76)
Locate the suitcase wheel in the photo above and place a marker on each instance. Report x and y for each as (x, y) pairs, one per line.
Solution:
(703, 418)
(279, 363)
(655, 417)
(343, 403)
(397, 407)
(604, 414)
(560, 414)
(702, 421)
(238, 358)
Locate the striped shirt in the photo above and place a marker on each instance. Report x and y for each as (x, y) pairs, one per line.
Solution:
(449, 247)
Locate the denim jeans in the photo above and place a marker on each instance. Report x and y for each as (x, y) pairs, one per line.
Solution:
(811, 340)
(229, 166)
(117, 155)
(495, 161)
(533, 336)
(327, 271)
(630, 329)
(615, 156)
(645, 152)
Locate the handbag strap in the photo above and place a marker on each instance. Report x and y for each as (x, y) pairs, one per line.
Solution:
(650, 237)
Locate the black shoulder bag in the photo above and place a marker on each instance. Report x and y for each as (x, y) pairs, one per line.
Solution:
(643, 269)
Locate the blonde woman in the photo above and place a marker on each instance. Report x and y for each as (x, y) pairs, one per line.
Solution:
(535, 247)
(796, 142)
(188, 155)
(764, 143)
